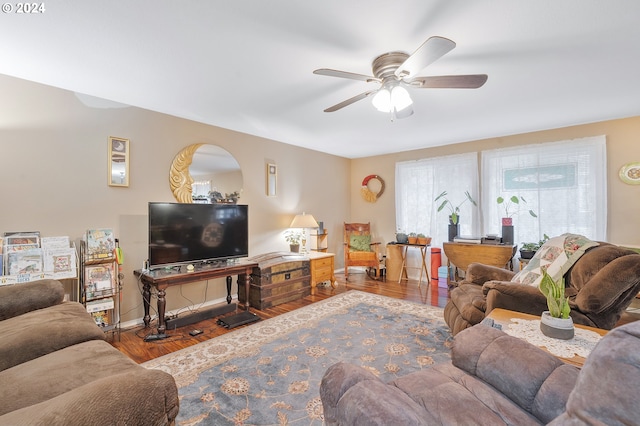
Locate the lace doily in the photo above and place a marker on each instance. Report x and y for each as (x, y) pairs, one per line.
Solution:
(581, 344)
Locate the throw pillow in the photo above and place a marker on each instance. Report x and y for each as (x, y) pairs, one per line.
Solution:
(360, 243)
(557, 255)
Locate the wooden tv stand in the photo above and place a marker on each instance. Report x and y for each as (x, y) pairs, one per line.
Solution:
(163, 278)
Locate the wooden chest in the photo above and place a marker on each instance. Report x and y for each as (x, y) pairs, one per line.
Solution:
(279, 277)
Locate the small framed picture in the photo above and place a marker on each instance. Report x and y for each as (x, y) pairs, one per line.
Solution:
(118, 162)
(272, 179)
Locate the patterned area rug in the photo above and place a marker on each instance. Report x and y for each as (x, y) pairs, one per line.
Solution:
(269, 373)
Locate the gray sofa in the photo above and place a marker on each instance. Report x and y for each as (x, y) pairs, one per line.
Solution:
(495, 379)
(57, 368)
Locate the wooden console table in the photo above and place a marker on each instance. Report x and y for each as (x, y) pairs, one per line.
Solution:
(462, 254)
(163, 278)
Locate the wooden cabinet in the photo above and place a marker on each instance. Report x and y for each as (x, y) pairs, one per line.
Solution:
(322, 269)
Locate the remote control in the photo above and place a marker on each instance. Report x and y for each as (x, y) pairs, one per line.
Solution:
(195, 332)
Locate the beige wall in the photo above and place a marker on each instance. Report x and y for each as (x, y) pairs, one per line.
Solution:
(53, 164)
(622, 147)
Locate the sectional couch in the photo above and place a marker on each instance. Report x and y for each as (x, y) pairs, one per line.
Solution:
(57, 368)
(495, 379)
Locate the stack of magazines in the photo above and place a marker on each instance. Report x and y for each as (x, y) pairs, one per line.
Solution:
(30, 256)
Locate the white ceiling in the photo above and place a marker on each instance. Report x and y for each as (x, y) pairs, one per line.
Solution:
(247, 65)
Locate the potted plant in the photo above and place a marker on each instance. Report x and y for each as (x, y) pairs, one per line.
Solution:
(528, 250)
(401, 237)
(555, 322)
(423, 240)
(455, 210)
(511, 207)
(293, 238)
(454, 217)
(413, 238)
(509, 204)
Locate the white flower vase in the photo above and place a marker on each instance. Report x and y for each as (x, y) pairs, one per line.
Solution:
(557, 328)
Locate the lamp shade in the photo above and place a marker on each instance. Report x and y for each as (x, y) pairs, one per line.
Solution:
(304, 221)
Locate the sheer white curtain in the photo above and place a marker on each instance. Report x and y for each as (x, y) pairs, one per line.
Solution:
(419, 182)
(564, 183)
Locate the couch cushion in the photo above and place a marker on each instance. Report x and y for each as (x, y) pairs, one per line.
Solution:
(606, 390)
(456, 398)
(18, 299)
(557, 255)
(90, 383)
(56, 373)
(535, 380)
(36, 333)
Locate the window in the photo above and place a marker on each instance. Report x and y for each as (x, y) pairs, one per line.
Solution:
(564, 183)
(419, 182)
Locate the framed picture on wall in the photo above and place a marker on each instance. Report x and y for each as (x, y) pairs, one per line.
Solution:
(118, 162)
(272, 179)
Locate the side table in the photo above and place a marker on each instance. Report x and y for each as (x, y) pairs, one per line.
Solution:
(423, 256)
(322, 266)
(462, 254)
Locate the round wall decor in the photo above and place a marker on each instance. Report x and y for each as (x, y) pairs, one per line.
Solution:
(367, 193)
(630, 173)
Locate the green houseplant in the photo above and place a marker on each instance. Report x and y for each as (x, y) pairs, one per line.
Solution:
(293, 238)
(413, 238)
(511, 207)
(555, 322)
(528, 250)
(454, 209)
(423, 239)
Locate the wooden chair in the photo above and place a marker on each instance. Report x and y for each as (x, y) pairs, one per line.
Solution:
(355, 257)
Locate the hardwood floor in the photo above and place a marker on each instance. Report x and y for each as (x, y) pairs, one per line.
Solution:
(132, 344)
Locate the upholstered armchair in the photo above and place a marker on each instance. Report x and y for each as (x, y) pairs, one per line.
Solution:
(359, 250)
(601, 285)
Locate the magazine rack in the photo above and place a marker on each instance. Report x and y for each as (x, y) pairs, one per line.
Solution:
(101, 278)
(26, 257)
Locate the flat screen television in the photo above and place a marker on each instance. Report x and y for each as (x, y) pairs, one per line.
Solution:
(182, 233)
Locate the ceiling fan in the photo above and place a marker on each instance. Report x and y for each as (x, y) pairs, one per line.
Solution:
(396, 71)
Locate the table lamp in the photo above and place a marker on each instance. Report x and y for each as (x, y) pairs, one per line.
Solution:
(304, 221)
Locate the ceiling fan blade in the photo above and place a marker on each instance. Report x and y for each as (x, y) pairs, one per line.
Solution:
(471, 81)
(350, 101)
(344, 74)
(430, 51)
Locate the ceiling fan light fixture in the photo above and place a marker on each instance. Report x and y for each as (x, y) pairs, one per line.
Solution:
(382, 100)
(400, 98)
(396, 99)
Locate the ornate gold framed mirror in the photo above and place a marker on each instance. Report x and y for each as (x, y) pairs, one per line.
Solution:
(200, 171)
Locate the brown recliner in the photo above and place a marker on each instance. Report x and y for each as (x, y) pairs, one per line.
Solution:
(601, 285)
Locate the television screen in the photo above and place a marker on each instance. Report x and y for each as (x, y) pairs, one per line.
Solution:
(191, 233)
